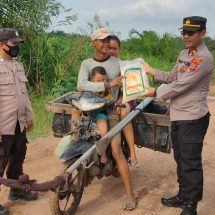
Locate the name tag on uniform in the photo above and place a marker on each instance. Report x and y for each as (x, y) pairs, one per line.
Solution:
(20, 70)
(4, 73)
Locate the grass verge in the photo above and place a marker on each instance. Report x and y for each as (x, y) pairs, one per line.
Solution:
(42, 118)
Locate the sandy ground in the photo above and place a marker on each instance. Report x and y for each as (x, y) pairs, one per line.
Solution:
(155, 178)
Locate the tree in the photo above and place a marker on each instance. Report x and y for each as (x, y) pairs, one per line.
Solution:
(32, 19)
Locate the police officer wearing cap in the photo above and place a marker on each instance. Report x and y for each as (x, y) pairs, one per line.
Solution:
(16, 115)
(187, 87)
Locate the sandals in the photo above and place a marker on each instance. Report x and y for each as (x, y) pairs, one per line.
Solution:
(130, 205)
(134, 163)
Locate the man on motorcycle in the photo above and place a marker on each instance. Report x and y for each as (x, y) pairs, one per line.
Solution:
(100, 41)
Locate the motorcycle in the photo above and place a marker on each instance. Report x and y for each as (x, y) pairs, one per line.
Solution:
(82, 156)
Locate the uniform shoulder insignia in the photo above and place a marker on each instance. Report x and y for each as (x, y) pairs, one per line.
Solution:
(193, 52)
(195, 63)
(183, 68)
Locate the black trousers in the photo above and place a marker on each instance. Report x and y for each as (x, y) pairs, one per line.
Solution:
(12, 153)
(187, 138)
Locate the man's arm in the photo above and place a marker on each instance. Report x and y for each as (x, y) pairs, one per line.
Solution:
(166, 77)
(29, 115)
(198, 69)
(85, 85)
(83, 81)
(28, 109)
(163, 77)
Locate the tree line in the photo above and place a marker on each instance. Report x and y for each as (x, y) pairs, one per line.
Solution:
(52, 58)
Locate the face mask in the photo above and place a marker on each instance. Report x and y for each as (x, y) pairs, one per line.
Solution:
(13, 50)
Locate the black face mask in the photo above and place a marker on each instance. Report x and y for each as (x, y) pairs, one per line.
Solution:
(13, 50)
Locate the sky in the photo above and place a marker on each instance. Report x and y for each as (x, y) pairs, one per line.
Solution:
(161, 16)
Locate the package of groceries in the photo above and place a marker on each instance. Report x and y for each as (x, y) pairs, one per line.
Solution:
(135, 83)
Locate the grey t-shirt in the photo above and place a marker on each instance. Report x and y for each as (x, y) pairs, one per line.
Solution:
(112, 68)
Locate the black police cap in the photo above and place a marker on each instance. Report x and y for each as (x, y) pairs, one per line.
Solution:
(9, 34)
(194, 23)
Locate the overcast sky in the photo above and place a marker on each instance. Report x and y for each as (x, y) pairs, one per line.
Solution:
(157, 15)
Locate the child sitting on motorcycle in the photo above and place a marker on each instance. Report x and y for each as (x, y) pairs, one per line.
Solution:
(99, 75)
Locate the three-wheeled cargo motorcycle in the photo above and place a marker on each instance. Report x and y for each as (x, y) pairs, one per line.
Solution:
(82, 157)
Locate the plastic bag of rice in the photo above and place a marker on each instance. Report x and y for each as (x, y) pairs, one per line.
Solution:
(135, 83)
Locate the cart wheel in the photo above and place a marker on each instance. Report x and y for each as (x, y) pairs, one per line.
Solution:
(66, 199)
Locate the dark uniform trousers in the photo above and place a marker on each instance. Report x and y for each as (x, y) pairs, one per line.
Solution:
(12, 153)
(187, 138)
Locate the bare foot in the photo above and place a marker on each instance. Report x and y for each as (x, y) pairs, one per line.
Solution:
(134, 163)
(133, 157)
(131, 203)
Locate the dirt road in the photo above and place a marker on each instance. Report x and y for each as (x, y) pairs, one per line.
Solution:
(155, 178)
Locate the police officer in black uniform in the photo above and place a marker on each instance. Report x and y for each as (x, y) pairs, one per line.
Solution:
(187, 87)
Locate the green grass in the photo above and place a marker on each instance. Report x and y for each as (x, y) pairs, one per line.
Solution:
(159, 63)
(155, 62)
(213, 77)
(42, 118)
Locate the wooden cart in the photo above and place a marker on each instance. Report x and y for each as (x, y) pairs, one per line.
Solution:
(151, 126)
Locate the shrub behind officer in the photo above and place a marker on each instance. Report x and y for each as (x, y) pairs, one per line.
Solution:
(187, 88)
(16, 115)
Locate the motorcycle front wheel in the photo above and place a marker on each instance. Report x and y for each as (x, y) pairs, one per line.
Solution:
(66, 198)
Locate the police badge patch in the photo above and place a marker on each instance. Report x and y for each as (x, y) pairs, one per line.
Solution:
(195, 63)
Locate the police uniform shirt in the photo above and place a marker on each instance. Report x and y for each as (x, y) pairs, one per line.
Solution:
(188, 84)
(14, 100)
